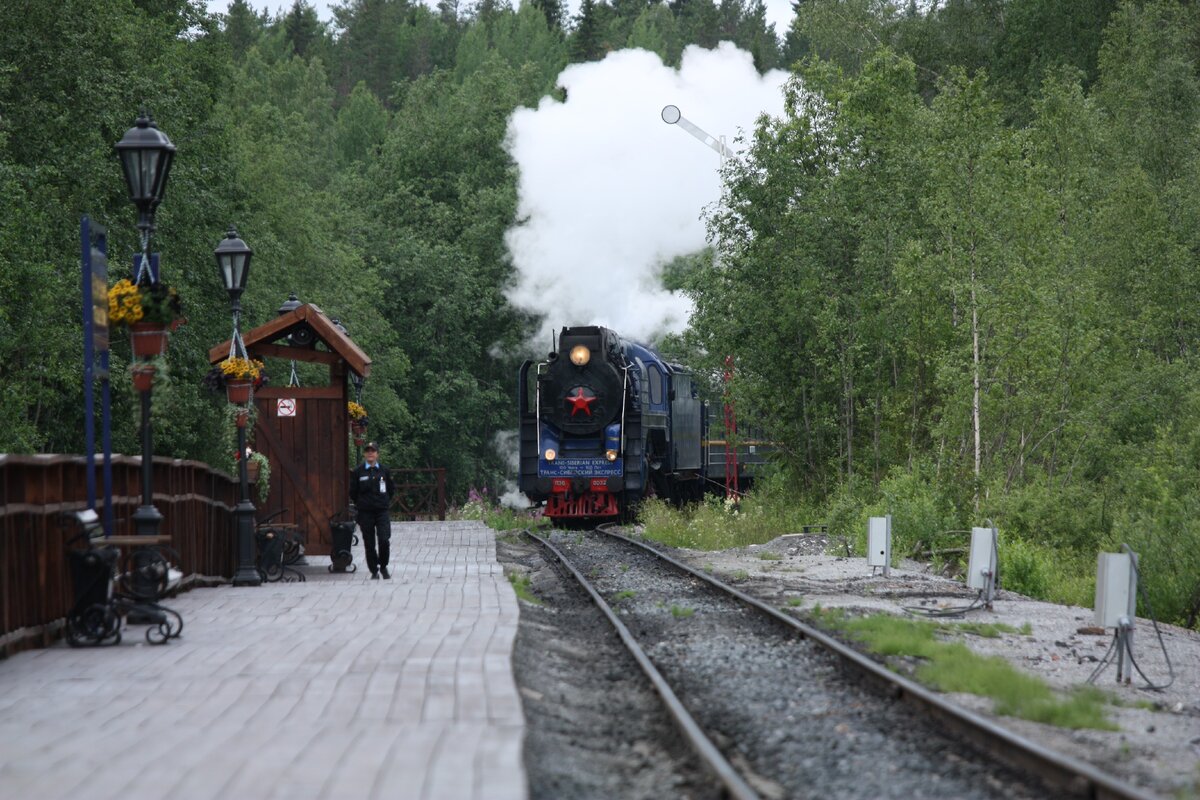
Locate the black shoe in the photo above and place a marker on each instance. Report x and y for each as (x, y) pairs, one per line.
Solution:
(383, 571)
(374, 576)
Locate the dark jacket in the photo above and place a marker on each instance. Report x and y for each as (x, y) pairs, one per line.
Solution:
(365, 490)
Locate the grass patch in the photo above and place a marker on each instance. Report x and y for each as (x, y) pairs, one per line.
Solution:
(520, 584)
(625, 595)
(679, 612)
(497, 517)
(740, 575)
(987, 630)
(793, 602)
(502, 518)
(770, 557)
(717, 525)
(953, 667)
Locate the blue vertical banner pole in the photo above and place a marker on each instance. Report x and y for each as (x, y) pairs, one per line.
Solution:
(89, 356)
(106, 441)
(94, 246)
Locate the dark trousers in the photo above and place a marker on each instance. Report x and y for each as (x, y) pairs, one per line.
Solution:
(372, 524)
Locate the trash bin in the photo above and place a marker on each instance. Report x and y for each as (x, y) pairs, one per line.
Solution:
(93, 618)
(341, 559)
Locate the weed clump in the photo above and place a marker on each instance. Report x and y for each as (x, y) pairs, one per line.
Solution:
(953, 667)
(520, 584)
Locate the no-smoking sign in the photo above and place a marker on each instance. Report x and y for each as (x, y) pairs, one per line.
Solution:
(285, 407)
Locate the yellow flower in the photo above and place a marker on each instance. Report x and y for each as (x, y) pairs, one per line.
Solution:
(238, 368)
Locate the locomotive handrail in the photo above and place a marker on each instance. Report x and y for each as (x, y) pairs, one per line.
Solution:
(624, 402)
(537, 409)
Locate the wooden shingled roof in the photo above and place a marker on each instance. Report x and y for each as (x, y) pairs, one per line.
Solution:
(337, 342)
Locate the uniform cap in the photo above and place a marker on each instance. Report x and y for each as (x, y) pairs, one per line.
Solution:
(371, 446)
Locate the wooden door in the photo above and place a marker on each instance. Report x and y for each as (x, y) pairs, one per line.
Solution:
(305, 439)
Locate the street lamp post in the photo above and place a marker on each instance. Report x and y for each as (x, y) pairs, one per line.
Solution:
(357, 382)
(673, 116)
(146, 155)
(233, 262)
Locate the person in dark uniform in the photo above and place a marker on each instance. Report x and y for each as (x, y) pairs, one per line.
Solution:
(371, 490)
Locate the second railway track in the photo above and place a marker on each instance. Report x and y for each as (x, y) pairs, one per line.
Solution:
(779, 709)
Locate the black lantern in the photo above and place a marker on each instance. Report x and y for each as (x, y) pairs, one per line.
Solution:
(146, 155)
(233, 260)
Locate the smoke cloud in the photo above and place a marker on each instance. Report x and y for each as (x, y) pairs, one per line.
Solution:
(608, 192)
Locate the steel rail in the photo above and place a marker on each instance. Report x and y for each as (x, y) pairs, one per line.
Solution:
(1062, 771)
(703, 746)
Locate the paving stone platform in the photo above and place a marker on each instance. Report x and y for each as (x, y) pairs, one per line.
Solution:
(340, 687)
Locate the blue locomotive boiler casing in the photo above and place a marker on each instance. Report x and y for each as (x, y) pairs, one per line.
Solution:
(605, 422)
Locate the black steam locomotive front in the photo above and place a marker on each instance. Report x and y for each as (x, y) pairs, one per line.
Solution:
(579, 405)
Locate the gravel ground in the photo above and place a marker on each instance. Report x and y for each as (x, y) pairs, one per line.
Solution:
(780, 705)
(595, 729)
(1157, 747)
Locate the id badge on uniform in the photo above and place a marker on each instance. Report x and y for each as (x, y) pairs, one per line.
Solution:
(382, 488)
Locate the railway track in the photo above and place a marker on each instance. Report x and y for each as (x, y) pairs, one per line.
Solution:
(776, 708)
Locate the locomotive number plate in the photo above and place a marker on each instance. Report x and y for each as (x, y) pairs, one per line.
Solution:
(571, 467)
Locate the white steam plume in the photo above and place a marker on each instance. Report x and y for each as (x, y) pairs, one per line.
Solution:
(608, 192)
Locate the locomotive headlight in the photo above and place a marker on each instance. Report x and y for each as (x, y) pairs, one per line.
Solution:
(611, 455)
(580, 355)
(551, 454)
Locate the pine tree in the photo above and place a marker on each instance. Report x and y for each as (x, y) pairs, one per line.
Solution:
(586, 44)
(302, 27)
(242, 28)
(554, 11)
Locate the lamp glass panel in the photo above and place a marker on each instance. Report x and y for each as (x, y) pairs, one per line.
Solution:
(162, 170)
(238, 265)
(130, 163)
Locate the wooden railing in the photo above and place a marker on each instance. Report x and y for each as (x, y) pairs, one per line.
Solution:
(416, 498)
(195, 500)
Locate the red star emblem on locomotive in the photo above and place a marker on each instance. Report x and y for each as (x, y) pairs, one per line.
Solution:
(580, 402)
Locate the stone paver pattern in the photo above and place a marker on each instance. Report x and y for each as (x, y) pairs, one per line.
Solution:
(339, 687)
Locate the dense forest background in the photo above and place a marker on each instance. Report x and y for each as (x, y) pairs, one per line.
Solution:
(363, 161)
(959, 275)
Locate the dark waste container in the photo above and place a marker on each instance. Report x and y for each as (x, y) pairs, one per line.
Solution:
(341, 559)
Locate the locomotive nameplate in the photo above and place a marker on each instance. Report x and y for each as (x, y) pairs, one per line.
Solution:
(571, 467)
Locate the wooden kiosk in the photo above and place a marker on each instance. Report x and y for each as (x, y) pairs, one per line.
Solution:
(304, 430)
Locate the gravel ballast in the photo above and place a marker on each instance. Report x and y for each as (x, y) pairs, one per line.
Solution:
(595, 729)
(778, 705)
(1158, 744)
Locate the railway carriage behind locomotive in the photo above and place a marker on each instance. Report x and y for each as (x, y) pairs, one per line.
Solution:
(605, 422)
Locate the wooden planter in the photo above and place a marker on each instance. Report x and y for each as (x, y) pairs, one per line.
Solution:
(238, 391)
(252, 468)
(149, 339)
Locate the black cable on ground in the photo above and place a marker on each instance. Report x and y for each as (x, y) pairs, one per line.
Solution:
(1150, 686)
(1105, 660)
(953, 611)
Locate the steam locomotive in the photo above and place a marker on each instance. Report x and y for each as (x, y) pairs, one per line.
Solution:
(605, 422)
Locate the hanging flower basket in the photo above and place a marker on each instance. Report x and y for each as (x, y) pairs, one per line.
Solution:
(358, 421)
(149, 339)
(143, 377)
(238, 391)
(149, 311)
